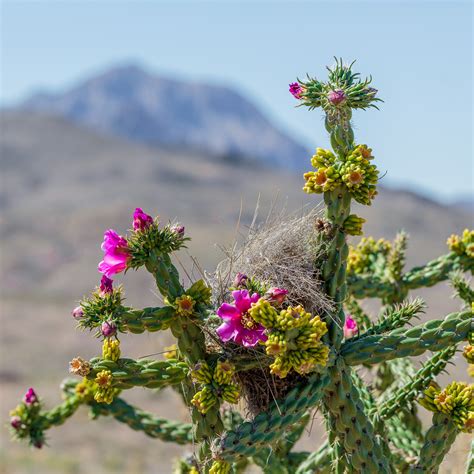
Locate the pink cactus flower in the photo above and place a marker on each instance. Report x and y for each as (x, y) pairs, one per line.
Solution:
(116, 254)
(240, 280)
(15, 422)
(276, 295)
(350, 327)
(30, 397)
(77, 313)
(296, 90)
(108, 329)
(106, 285)
(141, 220)
(337, 96)
(238, 324)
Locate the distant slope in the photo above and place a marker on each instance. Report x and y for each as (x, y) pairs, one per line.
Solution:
(63, 185)
(129, 102)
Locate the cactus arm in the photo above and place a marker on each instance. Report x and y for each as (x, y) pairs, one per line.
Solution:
(59, 414)
(191, 345)
(366, 451)
(395, 317)
(140, 420)
(434, 335)
(269, 463)
(129, 373)
(438, 441)
(265, 428)
(148, 319)
(436, 271)
(291, 436)
(369, 286)
(420, 381)
(318, 461)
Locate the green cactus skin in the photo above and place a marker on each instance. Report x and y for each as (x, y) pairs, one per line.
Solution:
(364, 448)
(334, 269)
(434, 335)
(420, 382)
(438, 441)
(129, 373)
(147, 319)
(140, 420)
(265, 428)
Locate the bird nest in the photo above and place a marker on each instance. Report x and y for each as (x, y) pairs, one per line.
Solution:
(283, 252)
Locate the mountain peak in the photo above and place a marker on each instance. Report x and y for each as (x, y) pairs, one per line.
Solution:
(129, 101)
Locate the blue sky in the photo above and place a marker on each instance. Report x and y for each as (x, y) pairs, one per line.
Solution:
(419, 53)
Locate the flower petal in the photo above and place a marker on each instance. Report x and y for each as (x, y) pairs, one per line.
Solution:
(242, 300)
(226, 331)
(228, 312)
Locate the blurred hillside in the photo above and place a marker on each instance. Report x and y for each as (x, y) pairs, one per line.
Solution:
(129, 102)
(62, 186)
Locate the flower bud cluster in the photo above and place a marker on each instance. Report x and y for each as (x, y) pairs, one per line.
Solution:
(111, 349)
(294, 338)
(353, 225)
(462, 245)
(104, 392)
(455, 400)
(25, 420)
(216, 384)
(356, 172)
(367, 255)
(220, 467)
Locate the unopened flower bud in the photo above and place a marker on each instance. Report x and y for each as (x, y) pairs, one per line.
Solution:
(77, 313)
(30, 397)
(337, 96)
(178, 230)
(240, 280)
(141, 220)
(38, 443)
(108, 329)
(296, 90)
(106, 285)
(276, 295)
(350, 327)
(15, 422)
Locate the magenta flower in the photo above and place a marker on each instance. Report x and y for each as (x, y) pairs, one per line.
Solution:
(77, 313)
(141, 220)
(296, 90)
(337, 96)
(116, 254)
(108, 329)
(15, 422)
(350, 327)
(276, 295)
(238, 324)
(240, 280)
(30, 397)
(106, 285)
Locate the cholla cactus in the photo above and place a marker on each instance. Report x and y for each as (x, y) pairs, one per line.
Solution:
(256, 326)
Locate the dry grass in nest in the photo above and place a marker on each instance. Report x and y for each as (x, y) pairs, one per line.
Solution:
(280, 252)
(260, 388)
